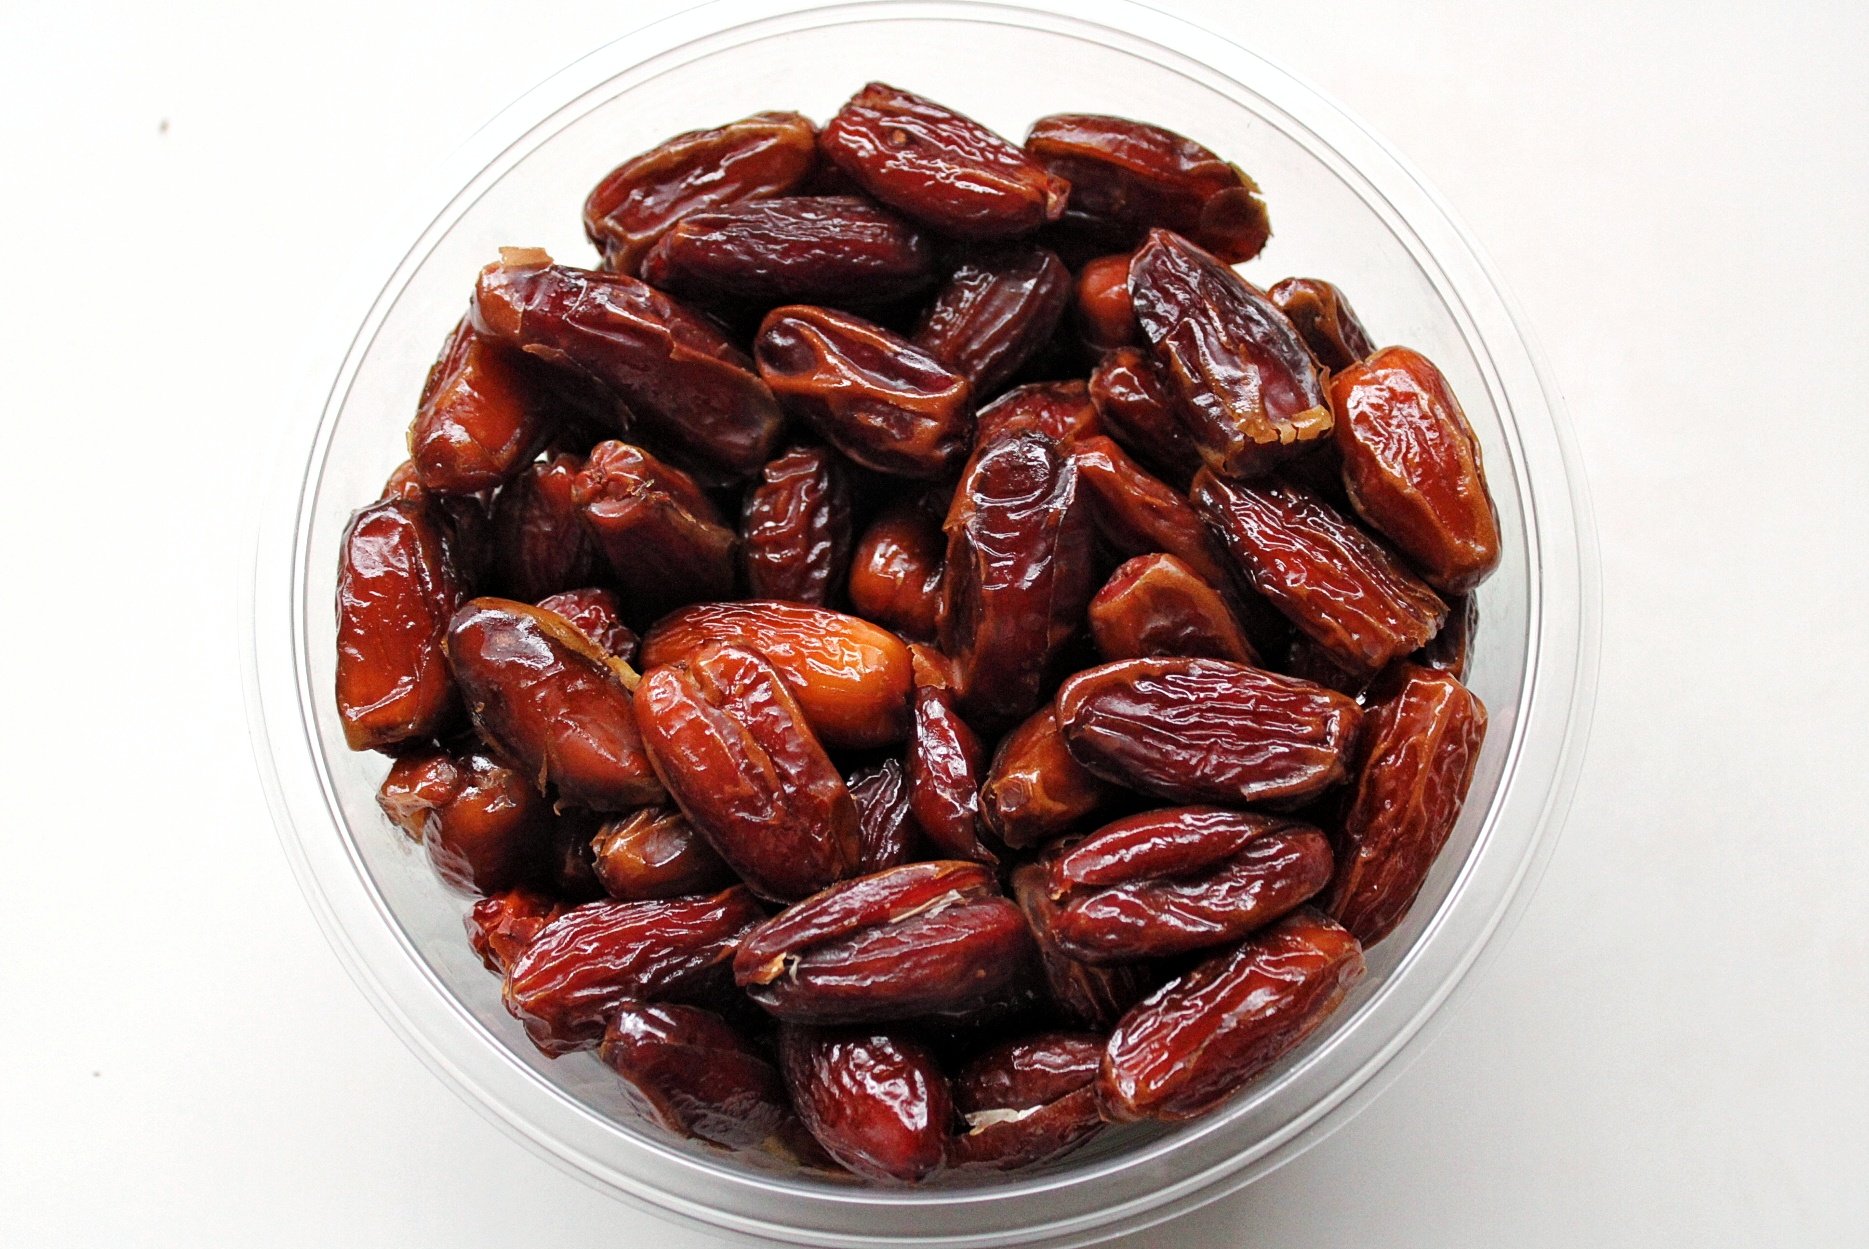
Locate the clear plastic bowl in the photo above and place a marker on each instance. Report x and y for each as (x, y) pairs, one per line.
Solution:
(1343, 206)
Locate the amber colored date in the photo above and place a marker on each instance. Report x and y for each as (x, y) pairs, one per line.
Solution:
(1412, 467)
(1336, 583)
(940, 168)
(1167, 882)
(1027, 1101)
(541, 545)
(1324, 318)
(838, 250)
(1247, 388)
(598, 615)
(551, 700)
(663, 538)
(673, 368)
(1205, 730)
(1451, 648)
(733, 748)
(1156, 605)
(885, 825)
(1035, 790)
(691, 1072)
(655, 853)
(795, 528)
(1421, 744)
(895, 574)
(397, 588)
(483, 825)
(1135, 408)
(1106, 316)
(757, 157)
(997, 310)
(1061, 411)
(475, 425)
(589, 960)
(1092, 996)
(1136, 514)
(876, 1102)
(852, 679)
(872, 394)
(944, 765)
(501, 926)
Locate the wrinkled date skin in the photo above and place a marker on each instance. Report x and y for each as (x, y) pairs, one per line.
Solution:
(1324, 318)
(1204, 1036)
(689, 1071)
(1019, 573)
(1106, 317)
(1061, 411)
(483, 824)
(924, 940)
(1205, 730)
(592, 958)
(1180, 879)
(997, 310)
(663, 538)
(895, 574)
(735, 752)
(1411, 466)
(673, 368)
(877, 1103)
(655, 853)
(852, 679)
(541, 545)
(872, 394)
(885, 825)
(1027, 1101)
(1136, 410)
(944, 170)
(1450, 649)
(551, 700)
(1091, 996)
(1337, 584)
(1126, 177)
(1035, 790)
(1156, 605)
(1247, 388)
(598, 615)
(397, 588)
(475, 425)
(945, 762)
(839, 250)
(1421, 744)
(501, 926)
(757, 157)
(1136, 514)
(795, 528)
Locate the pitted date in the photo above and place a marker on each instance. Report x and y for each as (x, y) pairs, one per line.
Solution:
(1091, 996)
(1329, 326)
(869, 392)
(475, 425)
(885, 825)
(691, 1072)
(598, 615)
(1135, 408)
(757, 157)
(1035, 790)
(1168, 882)
(998, 309)
(731, 744)
(1451, 648)
(664, 540)
(1411, 466)
(1421, 745)
(1337, 584)
(1061, 411)
(1136, 514)
(501, 926)
(484, 826)
(1156, 605)
(655, 853)
(1204, 1036)
(1247, 388)
(1205, 730)
(541, 545)
(795, 528)
(877, 1102)
(895, 575)
(944, 766)
(940, 168)
(1026, 1101)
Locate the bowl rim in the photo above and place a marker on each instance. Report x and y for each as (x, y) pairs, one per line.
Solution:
(1544, 756)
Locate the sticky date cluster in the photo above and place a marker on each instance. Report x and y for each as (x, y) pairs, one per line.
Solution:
(917, 659)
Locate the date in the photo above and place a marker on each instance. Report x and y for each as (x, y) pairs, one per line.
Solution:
(483, 825)
(1089, 995)
(1035, 790)
(476, 424)
(998, 309)
(877, 1102)
(1452, 647)
(1136, 514)
(1156, 605)
(1135, 408)
(690, 1072)
(655, 853)
(501, 925)
(541, 545)
(1061, 411)
(795, 528)
(885, 825)
(1027, 1101)
(944, 766)
(1324, 319)
(665, 542)
(895, 574)
(598, 615)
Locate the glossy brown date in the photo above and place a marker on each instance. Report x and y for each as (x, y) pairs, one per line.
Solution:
(1421, 743)
(1246, 386)
(838, 250)
(1019, 573)
(1205, 730)
(1334, 582)
(944, 766)
(541, 545)
(1136, 514)
(1411, 466)
(1168, 882)
(795, 528)
(1035, 790)
(673, 368)
(942, 169)
(475, 425)
(591, 959)
(691, 1072)
(598, 615)
(1090, 996)
(885, 825)
(998, 310)
(869, 392)
(733, 748)
(655, 853)
(1325, 320)
(665, 542)
(1027, 1101)
(1061, 411)
(924, 940)
(876, 1102)
(484, 826)
(1156, 605)
(501, 926)
(552, 701)
(895, 574)
(851, 679)
(757, 157)
(1451, 648)
(397, 587)
(1135, 408)
(1126, 177)
(1106, 316)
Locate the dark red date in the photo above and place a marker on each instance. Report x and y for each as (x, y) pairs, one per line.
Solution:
(689, 1071)
(1136, 514)
(1035, 790)
(502, 925)
(1324, 318)
(1027, 1101)
(997, 310)
(476, 424)
(1156, 605)
(795, 528)
(895, 575)
(484, 826)
(1135, 408)
(885, 825)
(655, 853)
(878, 1103)
(541, 545)
(944, 766)
(1091, 996)
(664, 540)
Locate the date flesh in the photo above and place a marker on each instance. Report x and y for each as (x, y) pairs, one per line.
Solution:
(484, 826)
(541, 545)
(665, 542)
(598, 615)
(476, 424)
(945, 761)
(1134, 406)
(895, 575)
(997, 310)
(501, 925)
(689, 1071)
(1155, 605)
(1325, 320)
(1136, 514)
(876, 1102)
(1106, 317)
(1452, 647)
(655, 853)
(1035, 789)
(885, 825)
(1027, 1101)
(795, 528)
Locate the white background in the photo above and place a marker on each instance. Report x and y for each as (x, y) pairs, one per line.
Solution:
(1672, 1050)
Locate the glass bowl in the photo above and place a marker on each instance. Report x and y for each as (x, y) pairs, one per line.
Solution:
(1343, 207)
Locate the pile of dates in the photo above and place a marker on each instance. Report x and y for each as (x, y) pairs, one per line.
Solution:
(917, 659)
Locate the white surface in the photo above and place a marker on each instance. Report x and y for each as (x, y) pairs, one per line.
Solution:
(1671, 1050)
